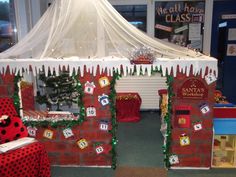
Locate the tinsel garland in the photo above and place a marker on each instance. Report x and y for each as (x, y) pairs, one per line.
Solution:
(112, 98)
(167, 119)
(16, 97)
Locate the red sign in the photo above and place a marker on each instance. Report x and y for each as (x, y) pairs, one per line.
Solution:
(192, 89)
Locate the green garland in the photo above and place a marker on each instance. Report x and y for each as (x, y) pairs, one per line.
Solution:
(64, 123)
(112, 98)
(167, 118)
(16, 97)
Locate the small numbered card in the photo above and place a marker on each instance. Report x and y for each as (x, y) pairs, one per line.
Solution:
(82, 143)
(91, 111)
(184, 140)
(173, 159)
(48, 134)
(103, 99)
(197, 126)
(99, 149)
(32, 131)
(103, 125)
(68, 133)
(210, 78)
(205, 108)
(89, 88)
(103, 82)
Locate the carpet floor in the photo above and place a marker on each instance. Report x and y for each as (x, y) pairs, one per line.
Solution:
(140, 172)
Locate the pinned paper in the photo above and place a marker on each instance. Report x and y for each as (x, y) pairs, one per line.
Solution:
(205, 108)
(173, 159)
(89, 87)
(91, 111)
(210, 78)
(103, 82)
(48, 134)
(103, 125)
(82, 143)
(68, 133)
(197, 126)
(103, 99)
(32, 131)
(99, 149)
(184, 140)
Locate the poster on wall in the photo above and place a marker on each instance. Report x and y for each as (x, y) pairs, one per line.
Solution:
(180, 22)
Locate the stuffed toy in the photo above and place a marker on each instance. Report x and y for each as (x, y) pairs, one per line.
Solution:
(11, 126)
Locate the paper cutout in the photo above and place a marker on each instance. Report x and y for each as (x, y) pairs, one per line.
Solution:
(82, 143)
(48, 134)
(103, 99)
(91, 111)
(68, 133)
(32, 131)
(89, 87)
(103, 82)
(184, 140)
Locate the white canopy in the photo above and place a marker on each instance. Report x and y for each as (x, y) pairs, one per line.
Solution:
(78, 33)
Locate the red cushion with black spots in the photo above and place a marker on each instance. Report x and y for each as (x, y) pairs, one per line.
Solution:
(11, 126)
(7, 107)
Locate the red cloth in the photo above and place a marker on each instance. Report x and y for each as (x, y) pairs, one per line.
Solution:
(224, 112)
(128, 107)
(31, 160)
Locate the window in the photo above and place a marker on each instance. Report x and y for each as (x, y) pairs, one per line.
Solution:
(180, 22)
(7, 24)
(134, 14)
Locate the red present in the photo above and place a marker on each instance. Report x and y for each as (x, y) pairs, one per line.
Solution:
(182, 116)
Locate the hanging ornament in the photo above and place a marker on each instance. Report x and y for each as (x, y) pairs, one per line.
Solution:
(68, 133)
(197, 126)
(173, 159)
(204, 108)
(210, 78)
(103, 82)
(48, 134)
(99, 149)
(103, 125)
(103, 99)
(91, 111)
(184, 140)
(142, 55)
(82, 143)
(89, 87)
(32, 131)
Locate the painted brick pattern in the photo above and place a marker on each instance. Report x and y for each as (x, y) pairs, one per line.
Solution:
(64, 151)
(198, 153)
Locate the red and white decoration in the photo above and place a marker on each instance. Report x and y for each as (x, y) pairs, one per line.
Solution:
(91, 111)
(197, 126)
(32, 131)
(89, 87)
(68, 133)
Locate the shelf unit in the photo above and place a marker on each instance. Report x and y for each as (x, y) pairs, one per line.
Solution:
(224, 151)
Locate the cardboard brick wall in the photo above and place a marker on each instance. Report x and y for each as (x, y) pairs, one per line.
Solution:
(198, 152)
(6, 85)
(64, 151)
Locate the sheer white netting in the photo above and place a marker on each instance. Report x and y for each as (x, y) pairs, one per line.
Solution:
(87, 28)
(92, 32)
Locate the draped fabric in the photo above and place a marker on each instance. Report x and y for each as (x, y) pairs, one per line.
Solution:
(92, 30)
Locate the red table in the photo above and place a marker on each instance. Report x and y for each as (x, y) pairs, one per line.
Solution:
(128, 107)
(29, 161)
